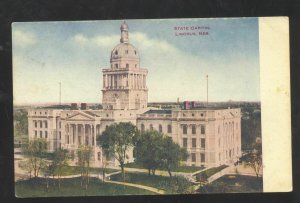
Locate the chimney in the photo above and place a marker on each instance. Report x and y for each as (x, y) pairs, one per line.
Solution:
(186, 105)
(193, 104)
(73, 106)
(83, 106)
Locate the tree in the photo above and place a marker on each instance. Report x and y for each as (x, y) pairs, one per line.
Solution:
(84, 154)
(172, 154)
(148, 148)
(35, 151)
(117, 140)
(60, 161)
(254, 158)
(21, 121)
(180, 185)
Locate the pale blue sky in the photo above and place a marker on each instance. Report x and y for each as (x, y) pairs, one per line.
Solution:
(45, 53)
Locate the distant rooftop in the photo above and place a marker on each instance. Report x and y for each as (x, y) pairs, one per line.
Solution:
(55, 107)
(159, 111)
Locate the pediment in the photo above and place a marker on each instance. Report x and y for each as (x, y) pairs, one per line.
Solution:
(81, 116)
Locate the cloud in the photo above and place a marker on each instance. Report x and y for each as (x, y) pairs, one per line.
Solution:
(98, 41)
(23, 38)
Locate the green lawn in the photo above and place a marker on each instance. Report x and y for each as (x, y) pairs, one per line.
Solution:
(159, 182)
(209, 172)
(71, 187)
(74, 170)
(234, 184)
(185, 169)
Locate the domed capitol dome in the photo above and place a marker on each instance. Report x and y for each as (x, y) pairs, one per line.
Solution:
(124, 55)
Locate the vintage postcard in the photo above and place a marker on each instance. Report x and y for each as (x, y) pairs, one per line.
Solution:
(151, 107)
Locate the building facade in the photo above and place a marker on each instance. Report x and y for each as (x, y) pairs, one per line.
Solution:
(211, 136)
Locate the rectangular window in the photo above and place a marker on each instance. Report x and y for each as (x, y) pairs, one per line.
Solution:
(35, 124)
(46, 124)
(202, 157)
(202, 129)
(184, 142)
(41, 124)
(46, 134)
(202, 143)
(35, 134)
(193, 157)
(60, 135)
(41, 134)
(59, 124)
(193, 129)
(194, 142)
(169, 129)
(184, 129)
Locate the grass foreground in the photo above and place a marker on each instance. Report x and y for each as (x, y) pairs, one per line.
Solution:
(234, 184)
(182, 168)
(36, 187)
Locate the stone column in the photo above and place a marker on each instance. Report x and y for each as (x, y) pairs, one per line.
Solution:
(90, 134)
(83, 134)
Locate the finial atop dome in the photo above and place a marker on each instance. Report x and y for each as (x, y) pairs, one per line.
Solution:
(124, 32)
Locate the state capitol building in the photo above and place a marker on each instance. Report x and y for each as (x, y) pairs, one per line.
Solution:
(211, 136)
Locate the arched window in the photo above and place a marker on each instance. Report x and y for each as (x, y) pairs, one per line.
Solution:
(184, 129)
(160, 128)
(142, 127)
(151, 127)
(116, 52)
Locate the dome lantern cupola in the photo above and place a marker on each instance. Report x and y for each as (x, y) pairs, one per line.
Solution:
(124, 33)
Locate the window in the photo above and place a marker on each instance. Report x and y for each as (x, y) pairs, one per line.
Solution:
(60, 135)
(59, 124)
(41, 134)
(35, 124)
(151, 127)
(203, 143)
(116, 65)
(202, 157)
(99, 156)
(142, 127)
(202, 129)
(46, 124)
(35, 134)
(127, 65)
(193, 157)
(41, 124)
(46, 134)
(160, 128)
(135, 52)
(68, 139)
(126, 51)
(169, 129)
(193, 129)
(202, 115)
(194, 142)
(184, 129)
(184, 142)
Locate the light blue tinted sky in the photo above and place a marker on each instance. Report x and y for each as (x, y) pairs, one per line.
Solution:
(74, 53)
